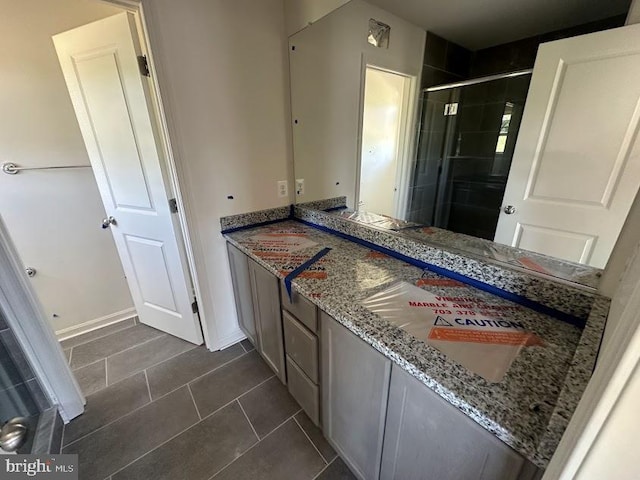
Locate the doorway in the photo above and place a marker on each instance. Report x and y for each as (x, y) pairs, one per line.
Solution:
(50, 199)
(385, 116)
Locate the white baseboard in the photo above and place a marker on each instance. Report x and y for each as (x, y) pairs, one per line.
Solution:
(96, 323)
(230, 339)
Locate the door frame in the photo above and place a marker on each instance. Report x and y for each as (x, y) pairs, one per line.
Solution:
(407, 137)
(618, 365)
(24, 314)
(187, 238)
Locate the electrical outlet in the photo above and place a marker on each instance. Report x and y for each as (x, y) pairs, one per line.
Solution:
(299, 186)
(283, 188)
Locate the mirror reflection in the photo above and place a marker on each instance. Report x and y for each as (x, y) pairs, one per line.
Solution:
(517, 142)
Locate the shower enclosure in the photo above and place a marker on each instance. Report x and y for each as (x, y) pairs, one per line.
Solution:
(466, 140)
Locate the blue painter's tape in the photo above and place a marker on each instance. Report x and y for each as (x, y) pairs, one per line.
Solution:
(261, 224)
(333, 209)
(302, 268)
(519, 299)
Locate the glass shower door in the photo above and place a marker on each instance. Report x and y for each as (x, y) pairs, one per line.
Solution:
(465, 149)
(20, 392)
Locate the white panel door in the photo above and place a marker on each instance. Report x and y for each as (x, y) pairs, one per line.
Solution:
(111, 101)
(576, 165)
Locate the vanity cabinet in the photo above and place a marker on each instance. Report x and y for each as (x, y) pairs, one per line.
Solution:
(265, 293)
(300, 321)
(257, 297)
(383, 422)
(355, 386)
(239, 265)
(424, 433)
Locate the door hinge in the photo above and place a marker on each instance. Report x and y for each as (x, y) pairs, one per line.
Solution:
(173, 205)
(143, 65)
(194, 306)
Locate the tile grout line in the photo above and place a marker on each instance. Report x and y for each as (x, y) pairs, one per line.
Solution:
(162, 396)
(101, 427)
(191, 426)
(325, 467)
(127, 349)
(146, 378)
(156, 447)
(190, 381)
(254, 445)
(150, 366)
(87, 365)
(247, 417)
(235, 399)
(212, 370)
(310, 441)
(192, 399)
(253, 388)
(101, 336)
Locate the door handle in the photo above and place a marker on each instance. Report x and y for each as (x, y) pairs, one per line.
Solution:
(107, 221)
(509, 209)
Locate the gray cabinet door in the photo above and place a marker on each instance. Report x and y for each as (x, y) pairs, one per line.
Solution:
(427, 438)
(355, 386)
(239, 264)
(266, 308)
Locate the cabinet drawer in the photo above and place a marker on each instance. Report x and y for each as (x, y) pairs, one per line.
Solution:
(303, 390)
(302, 309)
(301, 345)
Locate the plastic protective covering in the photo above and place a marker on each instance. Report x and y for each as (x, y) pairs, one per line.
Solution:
(283, 242)
(376, 220)
(465, 329)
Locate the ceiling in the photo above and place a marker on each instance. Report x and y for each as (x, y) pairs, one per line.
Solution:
(477, 24)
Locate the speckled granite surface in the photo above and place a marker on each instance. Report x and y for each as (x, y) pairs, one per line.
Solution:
(329, 203)
(532, 262)
(529, 262)
(566, 298)
(529, 409)
(252, 218)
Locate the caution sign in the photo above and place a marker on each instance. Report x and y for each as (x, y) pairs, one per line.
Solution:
(482, 336)
(282, 242)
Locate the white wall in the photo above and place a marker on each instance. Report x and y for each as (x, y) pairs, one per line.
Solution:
(53, 216)
(222, 72)
(615, 451)
(326, 79)
(602, 436)
(301, 13)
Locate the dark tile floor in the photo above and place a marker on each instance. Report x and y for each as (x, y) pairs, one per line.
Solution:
(160, 408)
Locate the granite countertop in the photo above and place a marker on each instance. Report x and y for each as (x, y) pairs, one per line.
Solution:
(572, 272)
(528, 410)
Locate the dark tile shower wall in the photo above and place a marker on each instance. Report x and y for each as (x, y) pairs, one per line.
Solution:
(476, 169)
(444, 61)
(475, 131)
(20, 392)
(521, 54)
(425, 175)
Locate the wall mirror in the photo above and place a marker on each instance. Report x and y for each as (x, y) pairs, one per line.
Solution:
(459, 125)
